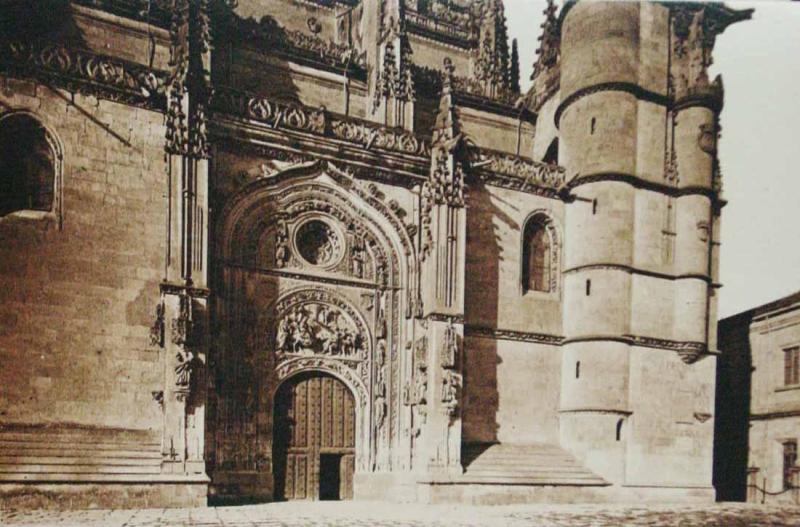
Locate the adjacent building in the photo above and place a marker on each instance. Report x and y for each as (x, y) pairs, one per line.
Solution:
(322, 249)
(758, 404)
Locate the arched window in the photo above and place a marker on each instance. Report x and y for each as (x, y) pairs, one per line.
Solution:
(537, 256)
(551, 156)
(27, 165)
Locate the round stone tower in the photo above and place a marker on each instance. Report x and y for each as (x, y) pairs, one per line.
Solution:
(637, 123)
(598, 131)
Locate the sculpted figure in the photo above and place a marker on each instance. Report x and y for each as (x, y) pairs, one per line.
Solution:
(281, 244)
(358, 258)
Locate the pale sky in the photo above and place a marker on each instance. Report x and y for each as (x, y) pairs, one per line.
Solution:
(759, 61)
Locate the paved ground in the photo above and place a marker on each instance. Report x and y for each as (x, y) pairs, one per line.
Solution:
(364, 514)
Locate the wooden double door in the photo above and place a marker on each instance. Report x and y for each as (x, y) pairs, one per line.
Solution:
(314, 439)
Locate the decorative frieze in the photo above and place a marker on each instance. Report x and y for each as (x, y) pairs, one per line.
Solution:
(508, 334)
(319, 122)
(85, 72)
(492, 163)
(444, 21)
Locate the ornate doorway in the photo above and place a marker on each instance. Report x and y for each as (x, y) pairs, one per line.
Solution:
(314, 438)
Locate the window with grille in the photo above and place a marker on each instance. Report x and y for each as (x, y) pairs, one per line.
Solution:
(791, 366)
(789, 461)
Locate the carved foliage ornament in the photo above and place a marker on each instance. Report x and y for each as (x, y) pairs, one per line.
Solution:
(492, 63)
(695, 27)
(320, 122)
(549, 49)
(531, 172)
(85, 72)
(190, 40)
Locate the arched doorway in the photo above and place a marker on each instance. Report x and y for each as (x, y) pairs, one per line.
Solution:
(314, 431)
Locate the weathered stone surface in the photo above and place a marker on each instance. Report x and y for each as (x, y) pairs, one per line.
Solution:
(252, 193)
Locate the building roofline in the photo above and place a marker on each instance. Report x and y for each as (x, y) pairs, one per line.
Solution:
(781, 304)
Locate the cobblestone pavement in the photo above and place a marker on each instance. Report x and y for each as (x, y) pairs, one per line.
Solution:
(358, 514)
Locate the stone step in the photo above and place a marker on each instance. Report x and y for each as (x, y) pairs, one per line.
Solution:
(99, 478)
(571, 469)
(517, 464)
(19, 449)
(522, 459)
(532, 474)
(75, 432)
(71, 460)
(57, 441)
(78, 469)
(530, 480)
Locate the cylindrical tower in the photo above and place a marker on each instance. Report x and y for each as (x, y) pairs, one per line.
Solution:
(598, 130)
(638, 127)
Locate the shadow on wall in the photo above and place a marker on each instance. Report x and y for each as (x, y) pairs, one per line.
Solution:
(732, 408)
(239, 408)
(481, 391)
(50, 20)
(234, 68)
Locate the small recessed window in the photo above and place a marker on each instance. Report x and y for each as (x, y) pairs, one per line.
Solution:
(791, 366)
(594, 206)
(789, 463)
(593, 126)
(27, 166)
(588, 287)
(537, 256)
(578, 370)
(619, 429)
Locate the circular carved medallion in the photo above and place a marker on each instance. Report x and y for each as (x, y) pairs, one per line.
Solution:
(318, 243)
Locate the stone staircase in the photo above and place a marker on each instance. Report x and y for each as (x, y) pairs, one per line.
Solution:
(503, 473)
(69, 453)
(528, 464)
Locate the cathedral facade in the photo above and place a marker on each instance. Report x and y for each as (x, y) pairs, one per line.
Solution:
(326, 249)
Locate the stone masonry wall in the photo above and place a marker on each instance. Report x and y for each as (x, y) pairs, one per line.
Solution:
(76, 304)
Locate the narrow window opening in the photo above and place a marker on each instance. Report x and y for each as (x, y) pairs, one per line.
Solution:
(588, 287)
(619, 430)
(578, 370)
(791, 366)
(594, 206)
(593, 125)
(536, 257)
(789, 463)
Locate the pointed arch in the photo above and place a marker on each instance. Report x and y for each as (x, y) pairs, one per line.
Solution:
(31, 159)
(540, 255)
